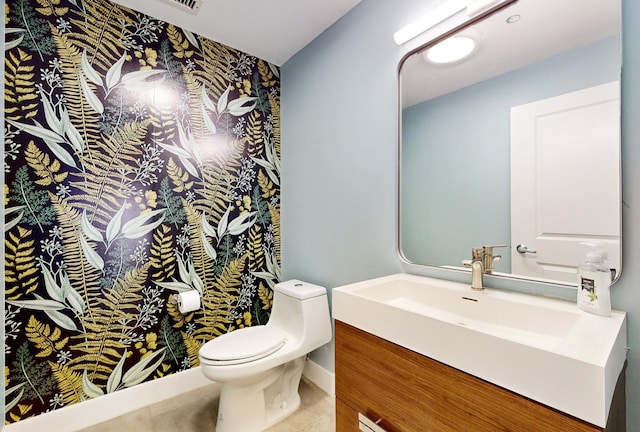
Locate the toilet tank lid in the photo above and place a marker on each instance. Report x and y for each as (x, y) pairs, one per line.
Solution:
(300, 290)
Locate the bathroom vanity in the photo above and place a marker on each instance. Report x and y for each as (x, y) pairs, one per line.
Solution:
(416, 354)
(407, 391)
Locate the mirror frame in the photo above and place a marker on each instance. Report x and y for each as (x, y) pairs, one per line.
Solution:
(429, 41)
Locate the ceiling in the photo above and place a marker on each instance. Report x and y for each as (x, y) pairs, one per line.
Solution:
(546, 28)
(272, 30)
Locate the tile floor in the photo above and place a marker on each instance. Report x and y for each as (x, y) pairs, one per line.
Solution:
(316, 414)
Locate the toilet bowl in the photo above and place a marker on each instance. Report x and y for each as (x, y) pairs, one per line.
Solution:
(260, 367)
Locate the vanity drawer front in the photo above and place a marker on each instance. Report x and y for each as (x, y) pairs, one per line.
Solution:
(410, 392)
(346, 417)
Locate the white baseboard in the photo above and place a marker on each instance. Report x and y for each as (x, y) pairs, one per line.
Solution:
(107, 407)
(320, 376)
(94, 411)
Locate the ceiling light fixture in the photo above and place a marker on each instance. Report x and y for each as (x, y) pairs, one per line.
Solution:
(451, 50)
(442, 13)
(429, 20)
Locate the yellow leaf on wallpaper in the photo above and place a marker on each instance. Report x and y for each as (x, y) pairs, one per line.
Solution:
(266, 296)
(266, 185)
(19, 87)
(44, 339)
(59, 178)
(178, 177)
(48, 11)
(44, 167)
(20, 263)
(23, 82)
(51, 7)
(24, 408)
(55, 166)
(162, 370)
(69, 383)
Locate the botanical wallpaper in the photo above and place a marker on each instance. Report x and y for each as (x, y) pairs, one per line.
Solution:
(141, 160)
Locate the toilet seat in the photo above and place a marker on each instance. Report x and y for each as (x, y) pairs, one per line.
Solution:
(243, 346)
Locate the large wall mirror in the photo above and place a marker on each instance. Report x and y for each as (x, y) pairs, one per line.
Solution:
(517, 144)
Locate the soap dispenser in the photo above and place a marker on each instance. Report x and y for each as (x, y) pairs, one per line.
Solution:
(594, 282)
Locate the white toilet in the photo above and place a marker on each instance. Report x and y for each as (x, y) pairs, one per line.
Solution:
(260, 367)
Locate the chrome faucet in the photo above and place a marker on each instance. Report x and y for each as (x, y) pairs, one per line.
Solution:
(481, 262)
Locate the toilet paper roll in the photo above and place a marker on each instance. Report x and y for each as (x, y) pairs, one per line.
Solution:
(188, 301)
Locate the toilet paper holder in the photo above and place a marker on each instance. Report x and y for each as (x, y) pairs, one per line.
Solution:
(186, 301)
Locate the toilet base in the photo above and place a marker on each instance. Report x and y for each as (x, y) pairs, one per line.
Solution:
(256, 403)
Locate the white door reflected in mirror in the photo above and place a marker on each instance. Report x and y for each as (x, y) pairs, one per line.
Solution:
(565, 154)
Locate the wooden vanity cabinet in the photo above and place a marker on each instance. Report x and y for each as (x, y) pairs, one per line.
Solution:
(409, 392)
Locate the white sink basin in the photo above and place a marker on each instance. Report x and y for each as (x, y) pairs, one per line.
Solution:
(545, 349)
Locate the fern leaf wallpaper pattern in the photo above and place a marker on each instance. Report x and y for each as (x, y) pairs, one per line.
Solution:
(141, 160)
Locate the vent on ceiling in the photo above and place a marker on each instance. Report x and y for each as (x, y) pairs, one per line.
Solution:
(191, 6)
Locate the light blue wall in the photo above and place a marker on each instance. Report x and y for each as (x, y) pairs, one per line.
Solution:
(339, 128)
(474, 159)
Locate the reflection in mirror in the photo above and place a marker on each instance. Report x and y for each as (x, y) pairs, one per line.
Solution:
(517, 143)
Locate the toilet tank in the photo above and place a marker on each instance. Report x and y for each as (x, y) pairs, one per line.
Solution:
(301, 310)
(299, 290)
